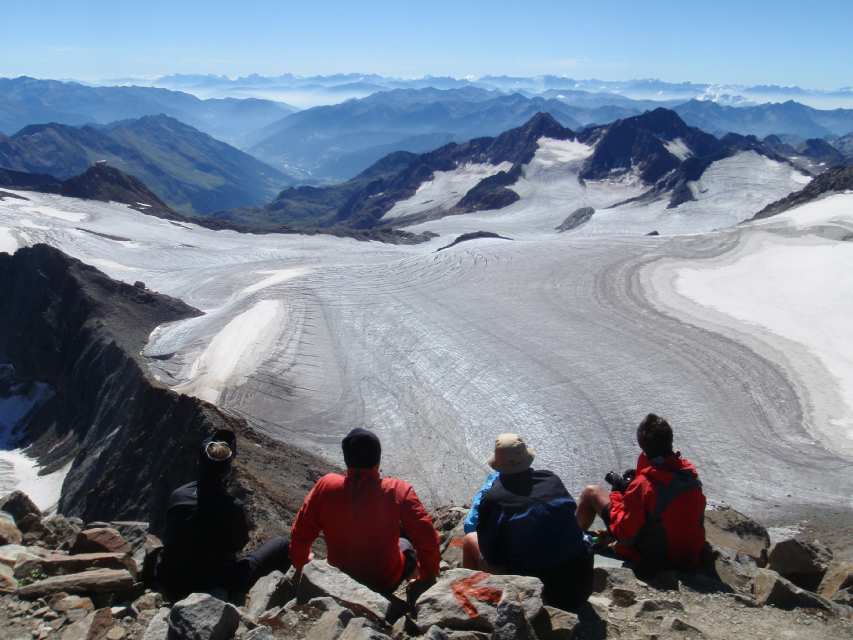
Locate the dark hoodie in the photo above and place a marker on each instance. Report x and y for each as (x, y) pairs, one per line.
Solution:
(658, 521)
(206, 528)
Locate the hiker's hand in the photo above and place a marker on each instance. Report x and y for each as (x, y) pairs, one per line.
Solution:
(416, 588)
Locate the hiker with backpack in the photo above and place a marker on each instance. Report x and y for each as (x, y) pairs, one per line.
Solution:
(207, 527)
(522, 521)
(376, 529)
(655, 513)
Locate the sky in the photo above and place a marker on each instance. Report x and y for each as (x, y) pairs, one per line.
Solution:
(727, 42)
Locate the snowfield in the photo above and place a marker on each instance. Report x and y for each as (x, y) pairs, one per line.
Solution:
(569, 339)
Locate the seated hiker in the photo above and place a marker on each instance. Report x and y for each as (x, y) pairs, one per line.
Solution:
(206, 528)
(376, 529)
(522, 521)
(655, 512)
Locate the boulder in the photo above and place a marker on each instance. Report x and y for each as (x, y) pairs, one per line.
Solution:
(9, 533)
(771, 589)
(272, 590)
(19, 506)
(511, 623)
(622, 597)
(555, 624)
(58, 532)
(682, 629)
(462, 599)
(450, 524)
(838, 576)
(733, 569)
(102, 540)
(94, 581)
(725, 527)
(8, 582)
(10, 554)
(57, 564)
(64, 603)
(94, 626)
(320, 579)
(200, 616)
(158, 627)
(803, 563)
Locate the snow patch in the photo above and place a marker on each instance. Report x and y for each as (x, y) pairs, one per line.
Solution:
(8, 242)
(446, 188)
(236, 351)
(679, 149)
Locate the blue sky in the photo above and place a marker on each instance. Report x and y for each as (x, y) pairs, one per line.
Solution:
(747, 41)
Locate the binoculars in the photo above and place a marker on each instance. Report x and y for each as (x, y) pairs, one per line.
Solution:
(620, 481)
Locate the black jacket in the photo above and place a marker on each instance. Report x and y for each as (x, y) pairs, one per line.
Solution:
(206, 528)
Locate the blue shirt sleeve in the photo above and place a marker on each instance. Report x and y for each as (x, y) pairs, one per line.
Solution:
(473, 517)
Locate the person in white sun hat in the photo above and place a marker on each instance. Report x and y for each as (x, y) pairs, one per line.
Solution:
(522, 521)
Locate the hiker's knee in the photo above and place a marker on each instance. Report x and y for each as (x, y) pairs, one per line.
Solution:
(595, 496)
(470, 551)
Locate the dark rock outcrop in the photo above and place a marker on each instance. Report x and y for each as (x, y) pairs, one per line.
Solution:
(105, 183)
(831, 181)
(129, 441)
(474, 235)
(575, 219)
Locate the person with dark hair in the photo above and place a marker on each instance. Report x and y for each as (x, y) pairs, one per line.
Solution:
(522, 521)
(376, 529)
(656, 511)
(206, 528)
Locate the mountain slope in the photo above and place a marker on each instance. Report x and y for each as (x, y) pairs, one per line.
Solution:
(363, 130)
(189, 170)
(832, 181)
(362, 202)
(25, 101)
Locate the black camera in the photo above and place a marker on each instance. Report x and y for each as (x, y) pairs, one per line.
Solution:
(620, 481)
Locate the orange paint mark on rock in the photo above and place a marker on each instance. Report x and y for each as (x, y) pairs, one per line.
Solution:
(465, 589)
(456, 543)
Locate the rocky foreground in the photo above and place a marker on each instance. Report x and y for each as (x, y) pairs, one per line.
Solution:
(62, 578)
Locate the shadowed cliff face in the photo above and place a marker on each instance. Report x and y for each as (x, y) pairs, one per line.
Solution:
(131, 441)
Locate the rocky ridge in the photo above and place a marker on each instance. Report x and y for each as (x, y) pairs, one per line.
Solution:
(65, 579)
(835, 180)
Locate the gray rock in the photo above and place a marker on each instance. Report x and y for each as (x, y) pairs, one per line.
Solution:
(555, 624)
(94, 581)
(803, 563)
(272, 590)
(769, 588)
(511, 623)
(200, 616)
(622, 597)
(58, 533)
(148, 601)
(360, 629)
(333, 621)
(735, 570)
(93, 627)
(844, 596)
(158, 628)
(725, 527)
(467, 600)
(100, 540)
(656, 607)
(682, 628)
(60, 564)
(320, 579)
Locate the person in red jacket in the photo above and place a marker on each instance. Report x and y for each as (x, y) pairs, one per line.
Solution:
(362, 516)
(656, 513)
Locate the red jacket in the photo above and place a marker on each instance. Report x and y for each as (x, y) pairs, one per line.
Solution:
(659, 518)
(361, 517)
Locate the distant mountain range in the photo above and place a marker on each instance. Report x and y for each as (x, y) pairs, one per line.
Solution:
(767, 119)
(25, 101)
(315, 90)
(338, 141)
(189, 170)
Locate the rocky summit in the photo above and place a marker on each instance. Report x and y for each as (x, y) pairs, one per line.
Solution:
(73, 580)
